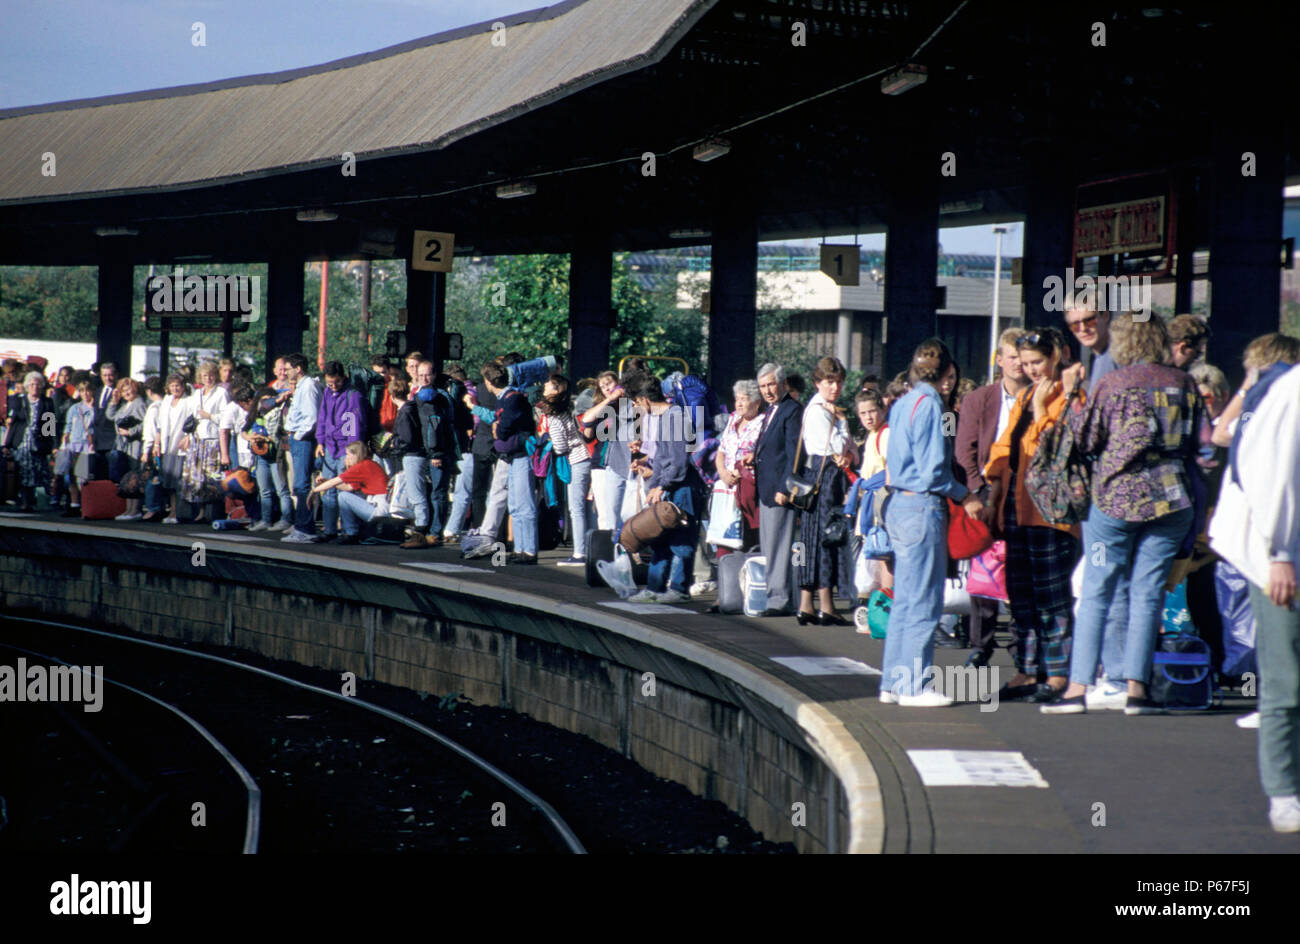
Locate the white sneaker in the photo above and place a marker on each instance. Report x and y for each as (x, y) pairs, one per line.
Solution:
(643, 596)
(930, 699)
(887, 697)
(1107, 694)
(260, 526)
(701, 587)
(1249, 721)
(1284, 814)
(170, 521)
(282, 525)
(671, 596)
(127, 517)
(298, 537)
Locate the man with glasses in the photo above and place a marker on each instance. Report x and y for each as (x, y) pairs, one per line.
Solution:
(1092, 328)
(1188, 336)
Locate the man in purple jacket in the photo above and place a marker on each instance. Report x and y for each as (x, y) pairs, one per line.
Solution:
(341, 420)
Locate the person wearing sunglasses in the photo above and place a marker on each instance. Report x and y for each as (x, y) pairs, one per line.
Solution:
(1188, 337)
(1040, 555)
(1092, 328)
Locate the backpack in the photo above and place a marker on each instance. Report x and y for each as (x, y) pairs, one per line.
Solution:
(435, 423)
(1058, 479)
(462, 420)
(696, 398)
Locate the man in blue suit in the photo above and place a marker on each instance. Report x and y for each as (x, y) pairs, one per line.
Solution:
(773, 461)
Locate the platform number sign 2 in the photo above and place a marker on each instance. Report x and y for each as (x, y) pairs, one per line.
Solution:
(840, 262)
(432, 251)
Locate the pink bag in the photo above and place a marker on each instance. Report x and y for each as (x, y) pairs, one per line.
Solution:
(988, 573)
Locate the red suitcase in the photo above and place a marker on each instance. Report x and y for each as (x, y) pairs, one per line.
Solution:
(99, 500)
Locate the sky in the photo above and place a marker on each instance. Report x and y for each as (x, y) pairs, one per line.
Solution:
(59, 50)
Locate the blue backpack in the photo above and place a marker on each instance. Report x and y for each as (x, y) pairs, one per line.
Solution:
(695, 397)
(434, 409)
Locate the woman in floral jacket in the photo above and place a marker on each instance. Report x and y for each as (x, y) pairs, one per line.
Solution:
(1145, 425)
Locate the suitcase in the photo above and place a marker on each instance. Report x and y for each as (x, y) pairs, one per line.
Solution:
(753, 585)
(99, 500)
(600, 547)
(730, 598)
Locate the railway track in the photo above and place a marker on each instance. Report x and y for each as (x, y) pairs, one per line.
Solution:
(322, 771)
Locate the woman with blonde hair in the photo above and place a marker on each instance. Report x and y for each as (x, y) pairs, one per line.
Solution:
(127, 410)
(1145, 424)
(203, 463)
(827, 451)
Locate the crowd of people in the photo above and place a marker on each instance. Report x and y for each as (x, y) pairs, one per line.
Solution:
(518, 454)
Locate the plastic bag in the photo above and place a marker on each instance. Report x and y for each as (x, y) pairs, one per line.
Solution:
(618, 573)
(725, 524)
(1233, 597)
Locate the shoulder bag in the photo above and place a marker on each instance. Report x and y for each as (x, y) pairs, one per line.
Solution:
(802, 492)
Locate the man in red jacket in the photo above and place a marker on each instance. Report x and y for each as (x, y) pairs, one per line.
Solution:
(984, 414)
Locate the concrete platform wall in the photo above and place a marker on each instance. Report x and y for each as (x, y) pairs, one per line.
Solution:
(696, 728)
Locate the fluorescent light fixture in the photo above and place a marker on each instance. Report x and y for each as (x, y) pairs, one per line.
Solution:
(711, 150)
(317, 216)
(690, 234)
(116, 231)
(524, 188)
(961, 206)
(910, 76)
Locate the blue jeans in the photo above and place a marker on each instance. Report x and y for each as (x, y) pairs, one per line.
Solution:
(461, 500)
(303, 452)
(615, 486)
(415, 486)
(578, 486)
(522, 505)
(329, 499)
(270, 484)
(672, 557)
(438, 479)
(1140, 552)
(1277, 641)
(918, 531)
(355, 511)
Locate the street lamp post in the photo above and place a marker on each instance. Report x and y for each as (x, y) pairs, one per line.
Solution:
(993, 319)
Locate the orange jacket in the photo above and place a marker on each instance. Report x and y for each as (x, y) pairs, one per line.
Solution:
(999, 465)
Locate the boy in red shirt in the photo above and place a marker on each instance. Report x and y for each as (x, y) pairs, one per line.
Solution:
(363, 491)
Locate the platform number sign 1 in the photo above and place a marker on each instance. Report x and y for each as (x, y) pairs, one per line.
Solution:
(432, 251)
(840, 263)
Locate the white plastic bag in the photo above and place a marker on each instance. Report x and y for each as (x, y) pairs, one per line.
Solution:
(866, 574)
(618, 573)
(726, 527)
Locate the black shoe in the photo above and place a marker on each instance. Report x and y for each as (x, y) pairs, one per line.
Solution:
(943, 641)
(829, 619)
(519, 558)
(348, 539)
(71, 513)
(978, 659)
(326, 538)
(769, 613)
(1016, 692)
(1078, 705)
(1046, 694)
(804, 619)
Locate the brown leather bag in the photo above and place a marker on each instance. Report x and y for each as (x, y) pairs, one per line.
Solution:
(649, 524)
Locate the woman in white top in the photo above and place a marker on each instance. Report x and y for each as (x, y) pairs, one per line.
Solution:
(169, 445)
(827, 452)
(203, 464)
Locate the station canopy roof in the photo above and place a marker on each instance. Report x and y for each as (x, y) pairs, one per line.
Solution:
(579, 96)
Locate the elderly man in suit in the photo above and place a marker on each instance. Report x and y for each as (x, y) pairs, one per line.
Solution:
(984, 414)
(773, 460)
(105, 428)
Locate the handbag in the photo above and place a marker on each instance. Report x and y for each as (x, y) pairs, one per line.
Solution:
(836, 532)
(649, 524)
(967, 536)
(190, 425)
(802, 491)
(63, 462)
(131, 485)
(875, 543)
(725, 525)
(988, 573)
(83, 468)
